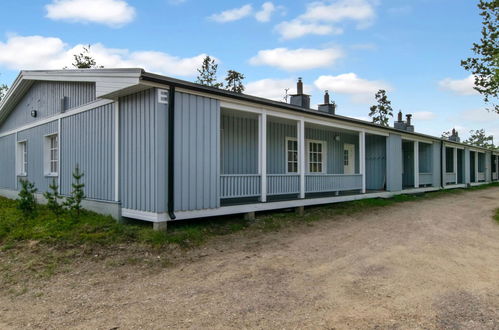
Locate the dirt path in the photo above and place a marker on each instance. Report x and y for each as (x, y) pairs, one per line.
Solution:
(426, 264)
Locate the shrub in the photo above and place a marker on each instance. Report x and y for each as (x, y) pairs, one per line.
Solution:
(53, 198)
(73, 202)
(26, 202)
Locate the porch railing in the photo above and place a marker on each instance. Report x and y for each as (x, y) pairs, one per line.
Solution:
(481, 176)
(315, 183)
(425, 178)
(449, 178)
(239, 185)
(282, 184)
(494, 176)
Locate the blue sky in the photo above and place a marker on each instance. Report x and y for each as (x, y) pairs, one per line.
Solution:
(350, 47)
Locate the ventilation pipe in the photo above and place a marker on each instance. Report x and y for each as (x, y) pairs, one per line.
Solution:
(300, 99)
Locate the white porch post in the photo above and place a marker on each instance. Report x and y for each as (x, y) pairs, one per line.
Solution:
(497, 167)
(301, 156)
(416, 164)
(454, 162)
(476, 166)
(263, 157)
(362, 159)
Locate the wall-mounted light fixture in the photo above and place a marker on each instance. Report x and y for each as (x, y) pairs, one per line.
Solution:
(34, 113)
(336, 137)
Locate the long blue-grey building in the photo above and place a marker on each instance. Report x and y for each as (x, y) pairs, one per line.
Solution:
(161, 149)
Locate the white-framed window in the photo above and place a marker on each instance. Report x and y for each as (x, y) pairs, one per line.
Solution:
(51, 155)
(22, 158)
(291, 155)
(345, 158)
(316, 156)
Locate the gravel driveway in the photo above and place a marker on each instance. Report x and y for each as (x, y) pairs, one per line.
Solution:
(427, 264)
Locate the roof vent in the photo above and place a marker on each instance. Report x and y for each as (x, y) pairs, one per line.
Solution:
(300, 99)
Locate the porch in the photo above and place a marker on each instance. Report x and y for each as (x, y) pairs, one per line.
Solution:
(477, 167)
(453, 160)
(417, 164)
(266, 158)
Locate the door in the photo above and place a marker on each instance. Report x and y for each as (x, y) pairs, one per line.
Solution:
(349, 159)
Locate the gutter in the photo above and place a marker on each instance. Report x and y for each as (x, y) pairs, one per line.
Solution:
(171, 151)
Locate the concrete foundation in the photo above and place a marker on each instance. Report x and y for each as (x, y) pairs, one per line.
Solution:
(160, 226)
(249, 216)
(300, 210)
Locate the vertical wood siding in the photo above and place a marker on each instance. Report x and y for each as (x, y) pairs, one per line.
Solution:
(239, 144)
(277, 132)
(8, 162)
(45, 97)
(408, 163)
(375, 162)
(436, 164)
(425, 158)
(394, 162)
(138, 153)
(87, 139)
(35, 143)
(197, 152)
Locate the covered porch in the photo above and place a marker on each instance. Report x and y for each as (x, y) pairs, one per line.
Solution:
(453, 160)
(265, 157)
(495, 167)
(417, 164)
(477, 166)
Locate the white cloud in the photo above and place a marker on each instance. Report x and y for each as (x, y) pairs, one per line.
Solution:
(479, 116)
(321, 17)
(361, 90)
(459, 86)
(424, 115)
(297, 28)
(264, 15)
(297, 59)
(114, 13)
(232, 14)
(402, 10)
(38, 52)
(274, 89)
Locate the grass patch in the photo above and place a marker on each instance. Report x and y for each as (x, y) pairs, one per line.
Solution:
(496, 216)
(44, 245)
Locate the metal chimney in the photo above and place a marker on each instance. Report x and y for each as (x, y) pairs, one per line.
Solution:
(327, 107)
(299, 86)
(300, 99)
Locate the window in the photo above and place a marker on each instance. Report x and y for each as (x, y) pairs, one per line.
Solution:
(345, 158)
(316, 152)
(22, 158)
(51, 155)
(292, 155)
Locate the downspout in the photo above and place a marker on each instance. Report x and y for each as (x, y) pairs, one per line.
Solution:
(171, 151)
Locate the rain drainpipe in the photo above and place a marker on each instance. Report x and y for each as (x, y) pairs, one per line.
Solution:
(171, 144)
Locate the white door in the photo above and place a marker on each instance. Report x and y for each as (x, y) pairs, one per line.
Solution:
(349, 158)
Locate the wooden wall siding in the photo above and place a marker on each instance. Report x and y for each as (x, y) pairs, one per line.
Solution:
(481, 162)
(240, 185)
(425, 158)
(394, 162)
(335, 148)
(408, 163)
(425, 179)
(197, 152)
(282, 184)
(472, 166)
(436, 168)
(45, 97)
(330, 183)
(449, 160)
(449, 178)
(8, 162)
(375, 162)
(88, 139)
(34, 137)
(460, 165)
(138, 157)
(276, 145)
(239, 150)
(488, 168)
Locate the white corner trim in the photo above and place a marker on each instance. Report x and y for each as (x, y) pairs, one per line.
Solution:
(86, 107)
(116, 151)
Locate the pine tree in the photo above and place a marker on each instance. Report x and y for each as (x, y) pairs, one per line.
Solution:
(485, 66)
(208, 73)
(234, 81)
(3, 91)
(73, 202)
(53, 198)
(84, 60)
(480, 139)
(380, 112)
(26, 202)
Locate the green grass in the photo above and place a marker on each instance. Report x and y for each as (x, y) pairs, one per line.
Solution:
(496, 216)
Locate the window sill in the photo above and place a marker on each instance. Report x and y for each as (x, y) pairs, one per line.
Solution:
(51, 175)
(22, 175)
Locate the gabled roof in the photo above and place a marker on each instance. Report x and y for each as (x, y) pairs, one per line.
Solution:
(112, 83)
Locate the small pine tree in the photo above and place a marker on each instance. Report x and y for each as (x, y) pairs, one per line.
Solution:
(208, 73)
(481, 139)
(53, 198)
(26, 202)
(3, 91)
(84, 60)
(380, 112)
(73, 202)
(234, 81)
